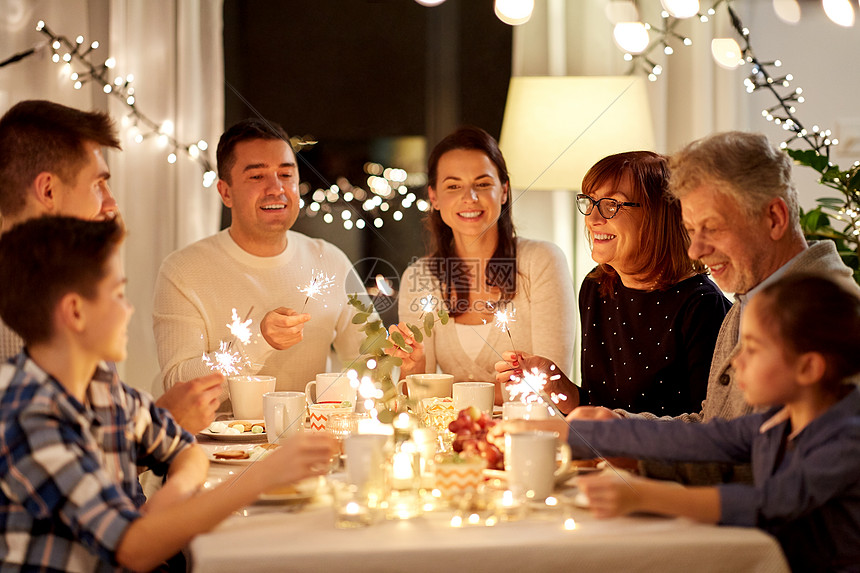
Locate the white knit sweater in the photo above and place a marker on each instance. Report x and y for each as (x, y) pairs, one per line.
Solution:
(198, 286)
(545, 321)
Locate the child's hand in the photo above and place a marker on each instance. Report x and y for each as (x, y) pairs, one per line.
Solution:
(612, 493)
(303, 455)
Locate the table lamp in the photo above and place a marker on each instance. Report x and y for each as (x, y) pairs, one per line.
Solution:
(554, 129)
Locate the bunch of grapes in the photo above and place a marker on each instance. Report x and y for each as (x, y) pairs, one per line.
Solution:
(470, 429)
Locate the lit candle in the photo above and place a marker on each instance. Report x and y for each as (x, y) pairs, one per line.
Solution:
(402, 469)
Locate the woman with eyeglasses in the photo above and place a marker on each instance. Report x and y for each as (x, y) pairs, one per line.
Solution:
(477, 266)
(649, 314)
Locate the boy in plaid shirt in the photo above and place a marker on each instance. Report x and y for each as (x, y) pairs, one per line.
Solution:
(65, 503)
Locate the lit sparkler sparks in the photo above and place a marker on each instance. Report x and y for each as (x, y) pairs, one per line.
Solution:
(241, 329)
(428, 304)
(530, 388)
(504, 320)
(384, 286)
(225, 361)
(320, 283)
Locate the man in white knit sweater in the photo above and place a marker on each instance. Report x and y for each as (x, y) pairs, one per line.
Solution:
(257, 267)
(51, 163)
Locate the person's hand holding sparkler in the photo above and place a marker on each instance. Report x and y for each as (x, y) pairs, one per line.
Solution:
(283, 327)
(513, 364)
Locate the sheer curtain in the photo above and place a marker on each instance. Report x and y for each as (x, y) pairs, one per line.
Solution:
(173, 47)
(174, 50)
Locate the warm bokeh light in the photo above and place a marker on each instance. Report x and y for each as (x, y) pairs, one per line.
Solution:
(841, 12)
(726, 52)
(787, 10)
(631, 36)
(681, 8)
(514, 12)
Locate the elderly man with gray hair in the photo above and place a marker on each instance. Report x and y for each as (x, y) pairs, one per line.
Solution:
(740, 208)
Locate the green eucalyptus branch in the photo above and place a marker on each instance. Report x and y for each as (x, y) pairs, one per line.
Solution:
(379, 364)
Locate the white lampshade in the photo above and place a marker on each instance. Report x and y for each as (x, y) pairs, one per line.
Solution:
(556, 128)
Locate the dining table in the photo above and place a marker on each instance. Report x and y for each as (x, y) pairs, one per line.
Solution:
(302, 536)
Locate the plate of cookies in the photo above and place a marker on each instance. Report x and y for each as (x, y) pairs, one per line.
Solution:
(236, 430)
(238, 455)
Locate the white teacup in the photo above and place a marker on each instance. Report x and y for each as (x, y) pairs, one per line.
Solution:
(365, 457)
(523, 411)
(284, 413)
(330, 387)
(422, 386)
(530, 462)
(478, 394)
(246, 395)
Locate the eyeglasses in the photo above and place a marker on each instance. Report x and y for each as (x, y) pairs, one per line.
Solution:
(607, 207)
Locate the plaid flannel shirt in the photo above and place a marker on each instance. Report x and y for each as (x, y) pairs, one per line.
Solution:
(69, 471)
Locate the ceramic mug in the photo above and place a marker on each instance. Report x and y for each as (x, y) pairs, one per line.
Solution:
(365, 459)
(284, 413)
(478, 394)
(330, 387)
(530, 462)
(319, 414)
(422, 386)
(246, 395)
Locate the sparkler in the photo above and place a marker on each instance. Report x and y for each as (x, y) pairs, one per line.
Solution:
(428, 304)
(503, 323)
(224, 361)
(320, 283)
(530, 389)
(384, 286)
(240, 329)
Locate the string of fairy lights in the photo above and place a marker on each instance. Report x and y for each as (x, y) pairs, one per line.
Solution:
(390, 191)
(634, 38)
(783, 112)
(81, 67)
(387, 193)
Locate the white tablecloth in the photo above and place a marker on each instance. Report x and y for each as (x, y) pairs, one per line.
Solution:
(279, 540)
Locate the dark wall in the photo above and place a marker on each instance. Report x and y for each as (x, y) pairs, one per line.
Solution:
(353, 72)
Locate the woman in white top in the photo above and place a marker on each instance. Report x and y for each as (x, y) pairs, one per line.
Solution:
(477, 266)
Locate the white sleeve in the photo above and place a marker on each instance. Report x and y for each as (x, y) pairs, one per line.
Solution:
(416, 284)
(552, 305)
(182, 335)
